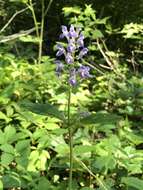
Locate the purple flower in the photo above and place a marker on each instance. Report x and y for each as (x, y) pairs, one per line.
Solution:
(60, 51)
(59, 67)
(69, 58)
(72, 81)
(71, 47)
(72, 32)
(80, 42)
(84, 71)
(72, 78)
(65, 32)
(82, 53)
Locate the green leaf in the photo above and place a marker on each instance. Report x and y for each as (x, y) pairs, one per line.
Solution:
(2, 138)
(23, 151)
(106, 162)
(37, 160)
(41, 163)
(62, 150)
(8, 91)
(1, 185)
(19, 1)
(11, 180)
(68, 10)
(101, 119)
(135, 138)
(6, 159)
(97, 34)
(133, 182)
(7, 148)
(9, 134)
(43, 184)
(82, 149)
(33, 158)
(89, 12)
(4, 117)
(29, 38)
(43, 109)
(22, 145)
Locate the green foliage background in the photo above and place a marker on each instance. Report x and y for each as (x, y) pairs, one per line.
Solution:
(108, 129)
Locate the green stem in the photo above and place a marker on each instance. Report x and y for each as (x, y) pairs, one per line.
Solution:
(49, 5)
(91, 173)
(30, 5)
(70, 141)
(41, 33)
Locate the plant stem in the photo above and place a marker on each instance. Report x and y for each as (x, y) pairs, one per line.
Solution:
(47, 9)
(30, 5)
(70, 141)
(91, 173)
(41, 32)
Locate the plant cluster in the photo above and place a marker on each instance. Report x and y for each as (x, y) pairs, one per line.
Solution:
(106, 111)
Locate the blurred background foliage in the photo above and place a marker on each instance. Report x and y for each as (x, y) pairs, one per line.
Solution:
(108, 135)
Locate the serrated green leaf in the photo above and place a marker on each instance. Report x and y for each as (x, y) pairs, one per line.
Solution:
(106, 162)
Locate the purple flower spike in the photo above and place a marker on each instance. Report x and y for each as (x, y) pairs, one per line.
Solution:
(69, 58)
(73, 54)
(60, 51)
(82, 53)
(84, 71)
(72, 32)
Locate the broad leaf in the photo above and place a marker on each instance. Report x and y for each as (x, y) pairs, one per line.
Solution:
(133, 182)
(101, 119)
(43, 109)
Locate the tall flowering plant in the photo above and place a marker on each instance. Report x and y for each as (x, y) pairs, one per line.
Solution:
(72, 53)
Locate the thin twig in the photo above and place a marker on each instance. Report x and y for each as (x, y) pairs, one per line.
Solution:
(107, 59)
(44, 12)
(17, 35)
(91, 173)
(94, 67)
(104, 55)
(11, 19)
(106, 67)
(48, 7)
